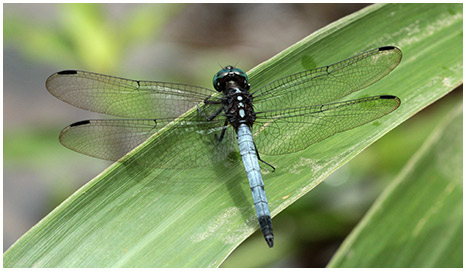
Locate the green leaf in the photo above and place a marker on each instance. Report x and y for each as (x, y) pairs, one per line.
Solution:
(418, 220)
(130, 216)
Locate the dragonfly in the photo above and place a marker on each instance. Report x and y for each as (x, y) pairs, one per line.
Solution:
(284, 116)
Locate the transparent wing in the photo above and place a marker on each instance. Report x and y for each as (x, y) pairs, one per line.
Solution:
(123, 97)
(329, 83)
(190, 143)
(290, 130)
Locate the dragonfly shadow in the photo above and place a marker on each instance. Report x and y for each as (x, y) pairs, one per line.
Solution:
(228, 173)
(233, 168)
(136, 171)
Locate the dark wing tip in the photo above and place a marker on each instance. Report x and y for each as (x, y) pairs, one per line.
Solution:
(79, 123)
(388, 97)
(68, 72)
(397, 100)
(387, 48)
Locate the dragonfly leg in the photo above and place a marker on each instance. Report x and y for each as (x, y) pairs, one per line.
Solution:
(207, 101)
(223, 131)
(201, 112)
(259, 158)
(215, 114)
(211, 117)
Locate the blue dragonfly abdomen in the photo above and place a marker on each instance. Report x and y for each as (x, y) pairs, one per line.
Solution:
(251, 165)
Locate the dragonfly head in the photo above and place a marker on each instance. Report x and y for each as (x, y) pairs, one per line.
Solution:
(230, 74)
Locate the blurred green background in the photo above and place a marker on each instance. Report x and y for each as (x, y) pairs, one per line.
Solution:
(180, 43)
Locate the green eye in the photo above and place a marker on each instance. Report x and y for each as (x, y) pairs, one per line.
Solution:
(231, 72)
(219, 76)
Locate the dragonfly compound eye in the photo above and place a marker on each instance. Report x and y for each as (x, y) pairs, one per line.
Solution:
(218, 78)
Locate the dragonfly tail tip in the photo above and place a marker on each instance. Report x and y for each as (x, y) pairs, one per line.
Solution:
(269, 240)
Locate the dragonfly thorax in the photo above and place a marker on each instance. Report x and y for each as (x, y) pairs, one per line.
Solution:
(229, 75)
(237, 104)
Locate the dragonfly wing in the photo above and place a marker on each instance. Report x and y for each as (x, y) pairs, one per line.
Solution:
(329, 83)
(108, 139)
(290, 130)
(189, 143)
(124, 97)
